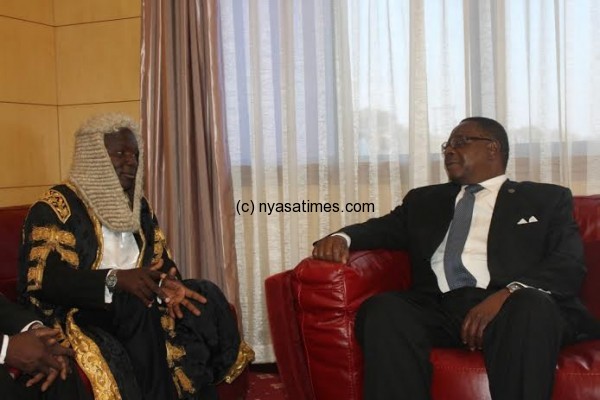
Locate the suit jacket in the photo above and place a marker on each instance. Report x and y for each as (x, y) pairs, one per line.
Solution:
(547, 254)
(12, 318)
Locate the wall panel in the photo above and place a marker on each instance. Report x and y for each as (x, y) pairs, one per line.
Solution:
(77, 11)
(98, 62)
(30, 10)
(27, 62)
(20, 196)
(29, 155)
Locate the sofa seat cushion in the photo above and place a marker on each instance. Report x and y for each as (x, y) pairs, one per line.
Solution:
(577, 373)
(461, 370)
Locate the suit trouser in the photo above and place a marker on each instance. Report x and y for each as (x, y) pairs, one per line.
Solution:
(397, 330)
(15, 390)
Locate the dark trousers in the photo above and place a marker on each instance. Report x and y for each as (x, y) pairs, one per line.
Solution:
(397, 331)
(15, 390)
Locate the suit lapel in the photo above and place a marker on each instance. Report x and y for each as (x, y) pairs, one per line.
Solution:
(507, 205)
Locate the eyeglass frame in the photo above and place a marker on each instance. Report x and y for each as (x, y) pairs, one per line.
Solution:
(463, 141)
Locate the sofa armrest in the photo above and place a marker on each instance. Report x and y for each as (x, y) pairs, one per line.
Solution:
(320, 285)
(327, 296)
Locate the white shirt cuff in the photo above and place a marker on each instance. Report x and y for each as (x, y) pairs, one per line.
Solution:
(342, 234)
(28, 326)
(4, 349)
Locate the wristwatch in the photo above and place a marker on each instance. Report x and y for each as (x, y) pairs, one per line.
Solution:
(514, 286)
(111, 280)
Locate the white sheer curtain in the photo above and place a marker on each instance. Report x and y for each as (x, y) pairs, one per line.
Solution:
(348, 101)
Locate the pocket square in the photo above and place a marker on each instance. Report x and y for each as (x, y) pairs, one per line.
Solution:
(529, 220)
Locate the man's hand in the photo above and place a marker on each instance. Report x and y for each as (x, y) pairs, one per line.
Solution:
(38, 353)
(179, 294)
(479, 317)
(142, 283)
(157, 265)
(331, 248)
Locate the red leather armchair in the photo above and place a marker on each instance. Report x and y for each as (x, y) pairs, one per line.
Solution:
(311, 314)
(11, 222)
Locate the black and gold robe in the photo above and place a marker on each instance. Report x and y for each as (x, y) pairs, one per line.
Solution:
(59, 277)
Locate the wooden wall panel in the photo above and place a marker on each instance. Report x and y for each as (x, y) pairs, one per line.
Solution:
(30, 10)
(27, 62)
(29, 155)
(21, 196)
(68, 12)
(98, 62)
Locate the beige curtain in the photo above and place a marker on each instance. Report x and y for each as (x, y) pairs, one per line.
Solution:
(188, 179)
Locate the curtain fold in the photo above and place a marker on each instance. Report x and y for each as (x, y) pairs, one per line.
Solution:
(189, 179)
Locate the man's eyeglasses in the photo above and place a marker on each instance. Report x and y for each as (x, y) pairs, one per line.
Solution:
(461, 141)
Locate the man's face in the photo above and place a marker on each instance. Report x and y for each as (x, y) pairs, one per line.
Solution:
(467, 156)
(123, 152)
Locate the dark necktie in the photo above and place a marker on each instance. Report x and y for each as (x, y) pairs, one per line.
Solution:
(456, 274)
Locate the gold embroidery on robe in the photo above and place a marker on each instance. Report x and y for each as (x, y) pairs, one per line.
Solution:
(168, 324)
(47, 312)
(160, 245)
(48, 239)
(58, 203)
(61, 337)
(174, 353)
(245, 357)
(96, 225)
(182, 382)
(142, 249)
(90, 360)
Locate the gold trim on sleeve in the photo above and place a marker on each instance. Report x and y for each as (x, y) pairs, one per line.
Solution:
(90, 360)
(56, 200)
(245, 357)
(46, 239)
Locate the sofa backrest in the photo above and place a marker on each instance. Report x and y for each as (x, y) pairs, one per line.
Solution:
(11, 222)
(587, 214)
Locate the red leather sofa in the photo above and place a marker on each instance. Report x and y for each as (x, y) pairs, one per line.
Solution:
(11, 222)
(311, 314)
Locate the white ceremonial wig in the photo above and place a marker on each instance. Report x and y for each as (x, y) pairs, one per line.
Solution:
(94, 176)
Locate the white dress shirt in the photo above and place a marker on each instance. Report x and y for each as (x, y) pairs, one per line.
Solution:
(474, 255)
(120, 252)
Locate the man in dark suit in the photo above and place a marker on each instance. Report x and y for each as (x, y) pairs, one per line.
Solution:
(33, 349)
(497, 266)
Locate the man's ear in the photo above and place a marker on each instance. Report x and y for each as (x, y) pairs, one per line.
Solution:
(493, 149)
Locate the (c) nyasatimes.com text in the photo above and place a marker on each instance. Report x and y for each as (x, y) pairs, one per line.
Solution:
(304, 206)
